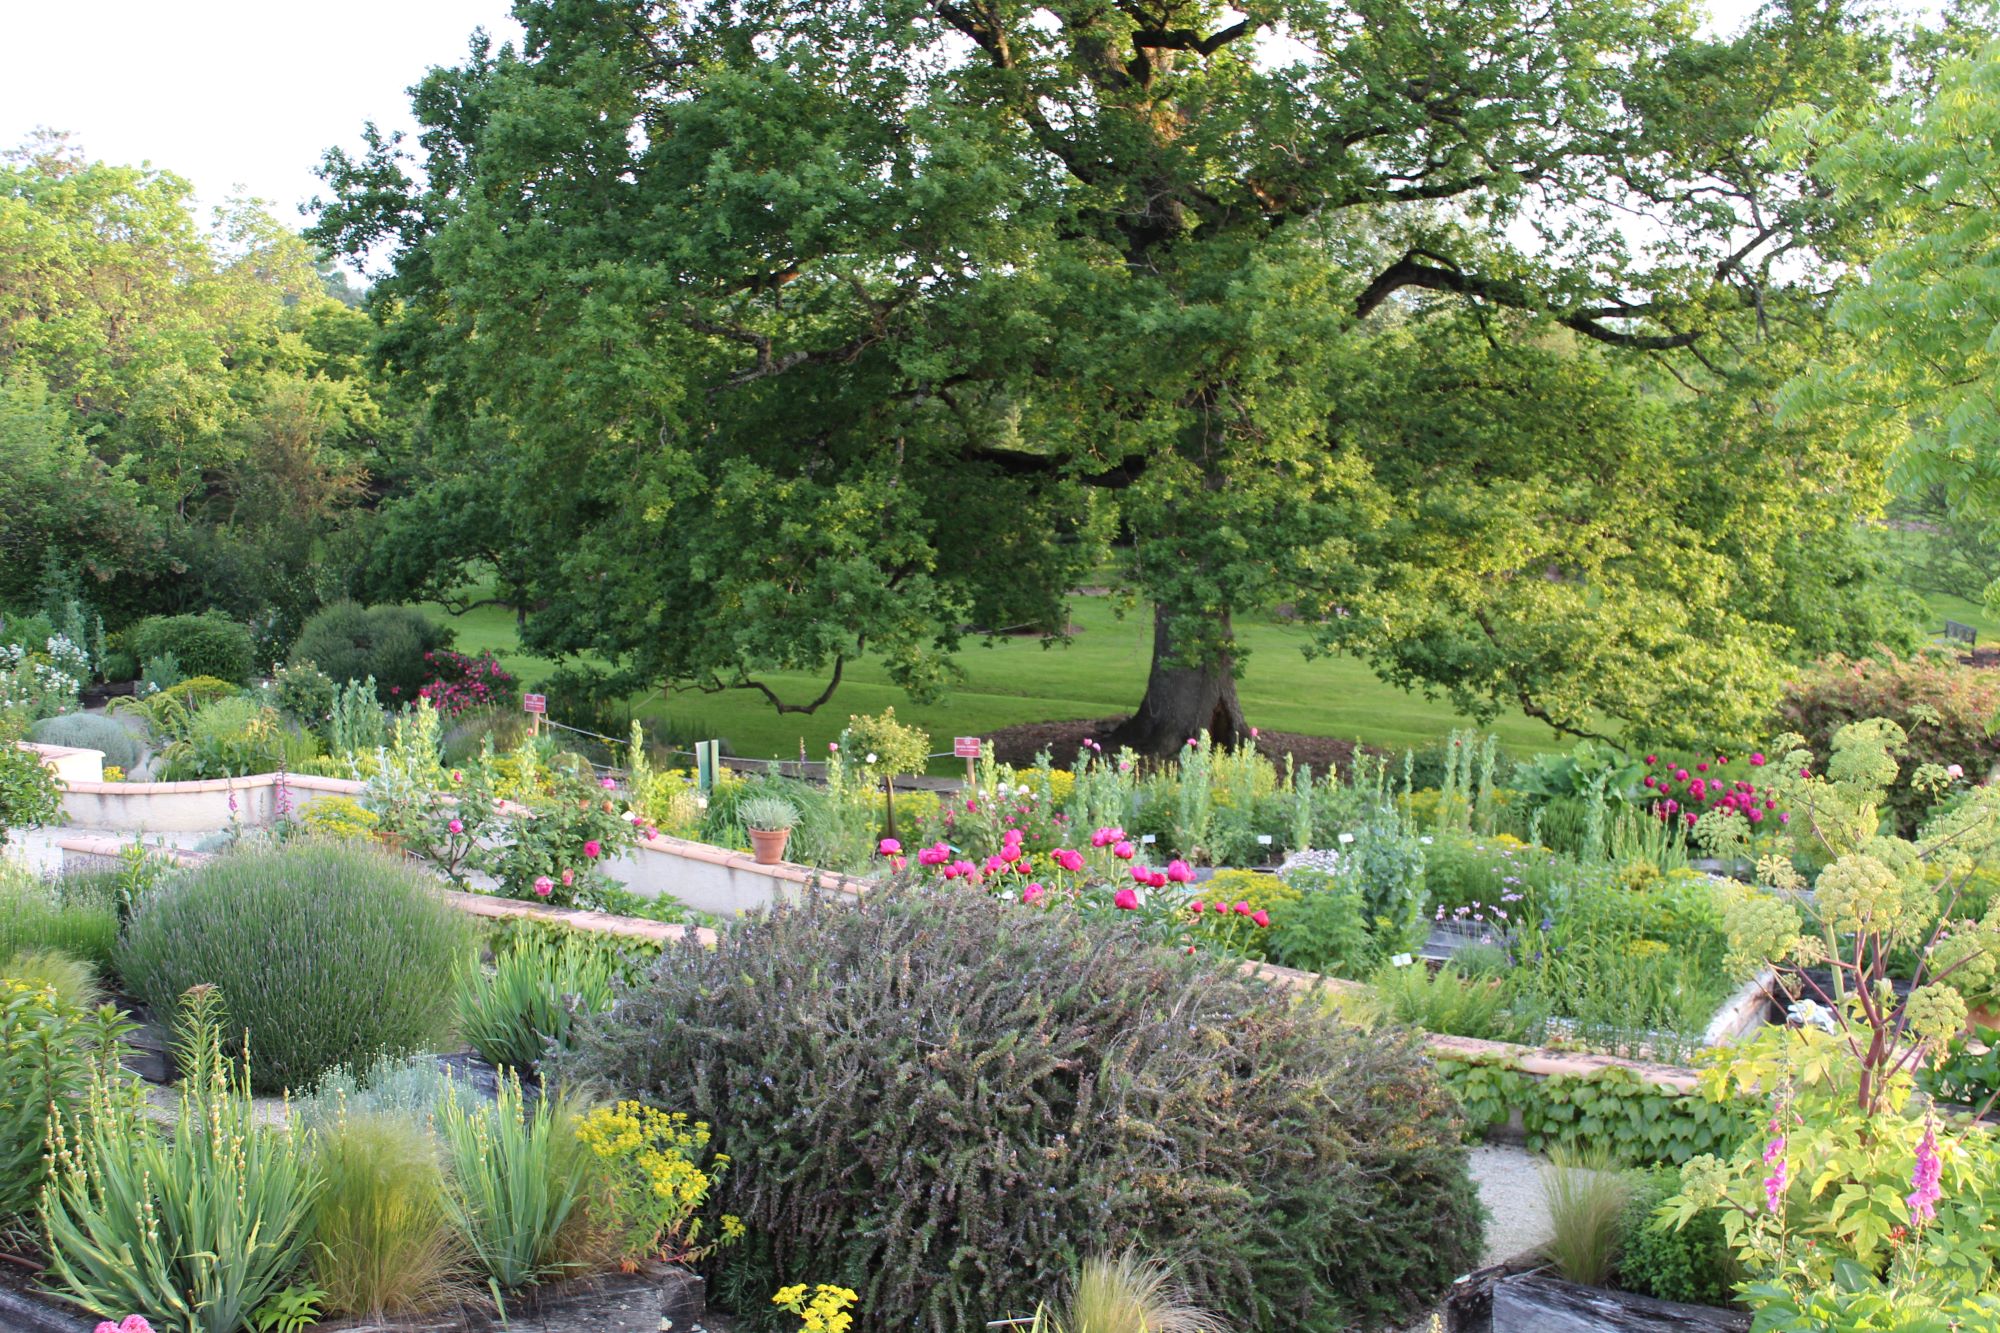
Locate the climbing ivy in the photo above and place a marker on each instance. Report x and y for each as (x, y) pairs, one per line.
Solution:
(1613, 1110)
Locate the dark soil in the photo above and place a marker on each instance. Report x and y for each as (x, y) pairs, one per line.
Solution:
(1019, 745)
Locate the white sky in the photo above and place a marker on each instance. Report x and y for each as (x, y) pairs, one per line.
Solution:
(242, 93)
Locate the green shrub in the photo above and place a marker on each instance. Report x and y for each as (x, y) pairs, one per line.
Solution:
(941, 1102)
(382, 1243)
(349, 641)
(304, 694)
(210, 644)
(235, 737)
(329, 953)
(89, 731)
(1692, 1263)
(29, 794)
(197, 1228)
(50, 1050)
(1944, 707)
(533, 998)
(35, 915)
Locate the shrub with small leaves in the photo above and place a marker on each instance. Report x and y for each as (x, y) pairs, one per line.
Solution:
(210, 644)
(946, 1103)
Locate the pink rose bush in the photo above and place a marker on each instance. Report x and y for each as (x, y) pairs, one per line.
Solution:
(460, 683)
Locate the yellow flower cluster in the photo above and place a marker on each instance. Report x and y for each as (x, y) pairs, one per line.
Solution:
(652, 1160)
(825, 1312)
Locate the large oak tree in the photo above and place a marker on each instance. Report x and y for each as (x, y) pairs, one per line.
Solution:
(784, 331)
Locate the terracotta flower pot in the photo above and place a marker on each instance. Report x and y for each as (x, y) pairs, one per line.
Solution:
(767, 845)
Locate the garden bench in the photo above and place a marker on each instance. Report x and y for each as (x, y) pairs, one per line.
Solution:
(1960, 633)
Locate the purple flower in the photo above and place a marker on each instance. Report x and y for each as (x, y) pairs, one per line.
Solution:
(1925, 1193)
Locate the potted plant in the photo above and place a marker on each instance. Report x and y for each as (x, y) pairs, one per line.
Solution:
(770, 820)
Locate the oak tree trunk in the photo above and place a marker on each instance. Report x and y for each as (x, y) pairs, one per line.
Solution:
(1183, 700)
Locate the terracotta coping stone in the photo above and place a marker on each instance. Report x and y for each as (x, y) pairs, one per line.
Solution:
(604, 923)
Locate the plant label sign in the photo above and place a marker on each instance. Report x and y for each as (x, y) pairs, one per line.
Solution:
(965, 747)
(534, 703)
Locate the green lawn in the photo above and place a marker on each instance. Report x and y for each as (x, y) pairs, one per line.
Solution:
(1101, 672)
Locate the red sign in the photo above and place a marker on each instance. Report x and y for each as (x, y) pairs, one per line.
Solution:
(965, 747)
(534, 703)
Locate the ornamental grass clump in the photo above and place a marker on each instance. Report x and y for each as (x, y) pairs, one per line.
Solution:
(383, 1243)
(327, 953)
(946, 1103)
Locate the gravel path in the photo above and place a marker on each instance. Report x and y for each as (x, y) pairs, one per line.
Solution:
(1510, 1185)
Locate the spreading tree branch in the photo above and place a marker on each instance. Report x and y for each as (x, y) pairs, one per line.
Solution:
(1433, 273)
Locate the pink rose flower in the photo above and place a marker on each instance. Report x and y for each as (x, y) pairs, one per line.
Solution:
(593, 849)
(544, 886)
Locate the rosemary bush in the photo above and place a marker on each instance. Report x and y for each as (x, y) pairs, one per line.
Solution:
(942, 1103)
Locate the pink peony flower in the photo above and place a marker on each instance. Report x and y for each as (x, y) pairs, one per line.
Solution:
(1032, 894)
(1180, 872)
(1243, 909)
(1652, 759)
(568, 878)
(1701, 767)
(1955, 770)
(1157, 879)
(1261, 917)
(1199, 907)
(1139, 874)
(833, 747)
(1123, 851)
(456, 826)
(1757, 759)
(888, 847)
(593, 849)
(609, 784)
(544, 886)
(1190, 742)
(1126, 900)
(1067, 859)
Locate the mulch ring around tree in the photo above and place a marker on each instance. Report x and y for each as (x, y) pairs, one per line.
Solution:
(1020, 744)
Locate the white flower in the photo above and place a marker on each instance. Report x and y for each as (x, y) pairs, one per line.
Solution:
(871, 756)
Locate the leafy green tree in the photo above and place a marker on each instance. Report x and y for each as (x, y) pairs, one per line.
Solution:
(1924, 303)
(189, 417)
(803, 331)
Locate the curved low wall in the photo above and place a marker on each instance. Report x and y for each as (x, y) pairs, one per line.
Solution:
(707, 879)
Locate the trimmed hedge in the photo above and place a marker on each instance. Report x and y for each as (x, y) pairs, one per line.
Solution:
(349, 641)
(945, 1103)
(329, 953)
(210, 644)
